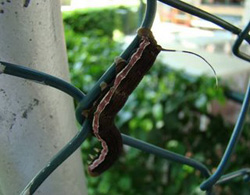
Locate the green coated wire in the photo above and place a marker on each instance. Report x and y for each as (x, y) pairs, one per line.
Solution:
(149, 148)
(228, 177)
(238, 42)
(41, 78)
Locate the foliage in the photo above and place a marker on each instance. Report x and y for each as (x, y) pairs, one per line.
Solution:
(168, 109)
(103, 20)
(89, 56)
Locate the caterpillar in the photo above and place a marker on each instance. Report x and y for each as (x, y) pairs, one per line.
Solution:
(113, 97)
(115, 94)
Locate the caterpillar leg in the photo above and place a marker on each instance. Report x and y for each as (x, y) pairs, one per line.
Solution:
(103, 85)
(120, 63)
(85, 113)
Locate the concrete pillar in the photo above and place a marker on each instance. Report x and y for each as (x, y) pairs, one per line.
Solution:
(36, 121)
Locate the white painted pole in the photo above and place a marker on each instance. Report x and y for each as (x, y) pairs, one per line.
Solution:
(35, 121)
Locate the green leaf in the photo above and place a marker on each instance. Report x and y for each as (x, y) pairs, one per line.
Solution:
(124, 183)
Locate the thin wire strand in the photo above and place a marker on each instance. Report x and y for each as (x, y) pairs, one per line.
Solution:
(192, 53)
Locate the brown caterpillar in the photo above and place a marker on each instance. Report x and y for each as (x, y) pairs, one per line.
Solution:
(113, 97)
